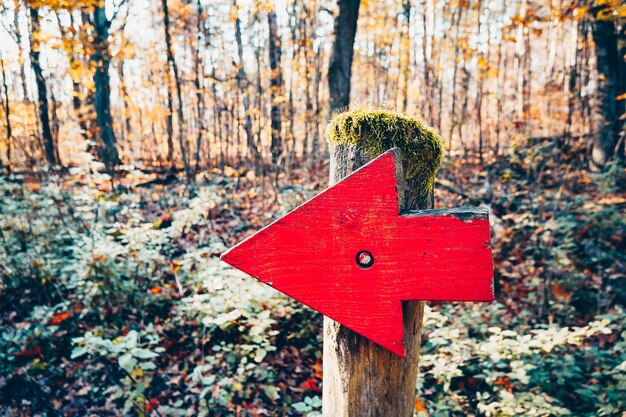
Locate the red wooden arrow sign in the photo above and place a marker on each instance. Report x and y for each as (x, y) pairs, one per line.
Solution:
(350, 254)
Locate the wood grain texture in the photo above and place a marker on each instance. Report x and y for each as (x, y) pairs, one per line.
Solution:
(360, 377)
(310, 254)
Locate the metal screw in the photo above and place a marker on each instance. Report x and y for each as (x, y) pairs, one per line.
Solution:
(364, 259)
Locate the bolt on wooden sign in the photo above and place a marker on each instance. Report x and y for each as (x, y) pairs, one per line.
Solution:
(350, 254)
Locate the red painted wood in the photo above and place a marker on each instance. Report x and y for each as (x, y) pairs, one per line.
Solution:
(310, 254)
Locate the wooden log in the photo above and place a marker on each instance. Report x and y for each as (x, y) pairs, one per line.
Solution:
(361, 379)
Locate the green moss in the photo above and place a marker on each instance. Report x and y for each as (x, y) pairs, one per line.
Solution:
(376, 131)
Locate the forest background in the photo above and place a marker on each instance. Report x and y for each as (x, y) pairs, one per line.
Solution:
(140, 138)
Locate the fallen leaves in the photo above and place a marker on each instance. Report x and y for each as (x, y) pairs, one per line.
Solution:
(59, 318)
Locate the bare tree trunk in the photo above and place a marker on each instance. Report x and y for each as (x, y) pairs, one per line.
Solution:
(126, 101)
(107, 148)
(198, 84)
(361, 378)
(169, 120)
(20, 49)
(55, 126)
(523, 67)
(572, 79)
(588, 126)
(42, 90)
(74, 63)
(276, 88)
(482, 70)
(456, 22)
(7, 118)
(428, 71)
(611, 81)
(405, 57)
(174, 68)
(500, 92)
(315, 142)
(241, 80)
(340, 67)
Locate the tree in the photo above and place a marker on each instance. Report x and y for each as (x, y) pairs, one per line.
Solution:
(340, 67)
(7, 115)
(173, 67)
(276, 87)
(72, 41)
(198, 83)
(609, 40)
(242, 84)
(101, 59)
(42, 90)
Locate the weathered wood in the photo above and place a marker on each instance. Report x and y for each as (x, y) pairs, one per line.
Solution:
(360, 378)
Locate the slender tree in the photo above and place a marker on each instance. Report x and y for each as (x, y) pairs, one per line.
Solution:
(7, 116)
(242, 85)
(20, 48)
(42, 89)
(198, 82)
(101, 59)
(454, 119)
(276, 87)
(611, 67)
(173, 67)
(340, 67)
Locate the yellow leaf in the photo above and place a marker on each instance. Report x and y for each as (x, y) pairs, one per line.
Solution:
(580, 12)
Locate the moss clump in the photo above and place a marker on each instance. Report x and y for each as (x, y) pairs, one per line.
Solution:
(376, 131)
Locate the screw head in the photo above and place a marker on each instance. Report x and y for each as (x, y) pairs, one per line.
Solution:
(364, 259)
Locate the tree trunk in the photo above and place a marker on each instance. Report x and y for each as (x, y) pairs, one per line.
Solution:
(75, 64)
(169, 122)
(42, 90)
(276, 88)
(611, 81)
(456, 22)
(174, 68)
(361, 378)
(315, 142)
(7, 116)
(340, 67)
(241, 79)
(405, 57)
(199, 85)
(20, 49)
(107, 148)
(522, 57)
(427, 85)
(482, 73)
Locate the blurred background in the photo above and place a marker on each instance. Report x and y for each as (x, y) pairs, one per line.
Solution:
(139, 139)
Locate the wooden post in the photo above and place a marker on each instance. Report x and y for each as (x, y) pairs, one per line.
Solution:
(361, 379)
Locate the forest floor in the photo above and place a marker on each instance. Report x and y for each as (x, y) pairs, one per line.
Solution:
(115, 302)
